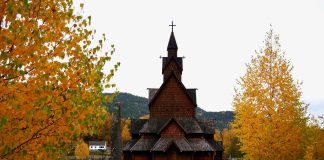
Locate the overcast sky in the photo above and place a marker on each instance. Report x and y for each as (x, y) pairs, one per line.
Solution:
(217, 38)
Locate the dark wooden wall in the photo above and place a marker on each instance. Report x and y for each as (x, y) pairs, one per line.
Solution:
(172, 130)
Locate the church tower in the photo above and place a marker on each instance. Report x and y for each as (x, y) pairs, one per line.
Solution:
(172, 63)
(172, 131)
(172, 99)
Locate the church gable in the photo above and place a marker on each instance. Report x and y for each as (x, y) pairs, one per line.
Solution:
(172, 66)
(166, 61)
(172, 100)
(171, 130)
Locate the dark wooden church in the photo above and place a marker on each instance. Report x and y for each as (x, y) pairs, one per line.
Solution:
(172, 132)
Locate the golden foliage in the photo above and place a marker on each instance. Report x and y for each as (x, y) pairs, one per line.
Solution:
(218, 135)
(309, 153)
(51, 78)
(227, 139)
(82, 150)
(270, 117)
(126, 136)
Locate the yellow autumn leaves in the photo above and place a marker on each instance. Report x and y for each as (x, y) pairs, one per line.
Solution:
(270, 117)
(51, 79)
(82, 150)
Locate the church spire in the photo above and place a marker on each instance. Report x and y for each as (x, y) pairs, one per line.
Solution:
(172, 45)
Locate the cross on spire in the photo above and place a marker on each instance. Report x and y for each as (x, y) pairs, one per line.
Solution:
(172, 25)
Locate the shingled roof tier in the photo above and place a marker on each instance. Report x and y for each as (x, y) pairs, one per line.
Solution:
(154, 125)
(182, 144)
(144, 144)
(163, 144)
(189, 125)
(200, 144)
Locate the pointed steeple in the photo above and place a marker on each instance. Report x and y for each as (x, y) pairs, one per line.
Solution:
(172, 64)
(172, 43)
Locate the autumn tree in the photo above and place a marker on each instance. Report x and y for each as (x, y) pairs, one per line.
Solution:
(269, 114)
(51, 78)
(81, 150)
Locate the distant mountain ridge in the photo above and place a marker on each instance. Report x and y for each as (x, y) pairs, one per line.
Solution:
(135, 107)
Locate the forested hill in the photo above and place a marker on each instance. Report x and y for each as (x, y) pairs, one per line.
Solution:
(134, 107)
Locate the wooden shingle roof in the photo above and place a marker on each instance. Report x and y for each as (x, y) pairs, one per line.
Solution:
(144, 144)
(129, 144)
(154, 125)
(216, 145)
(200, 144)
(182, 144)
(189, 125)
(163, 144)
(156, 94)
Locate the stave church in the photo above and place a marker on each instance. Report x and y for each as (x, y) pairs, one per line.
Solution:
(172, 132)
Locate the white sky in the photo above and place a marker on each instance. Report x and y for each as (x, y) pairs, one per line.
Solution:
(217, 38)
